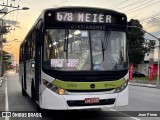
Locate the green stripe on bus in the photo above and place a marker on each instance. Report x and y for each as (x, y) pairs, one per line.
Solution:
(86, 85)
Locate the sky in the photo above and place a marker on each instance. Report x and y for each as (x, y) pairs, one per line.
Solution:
(146, 11)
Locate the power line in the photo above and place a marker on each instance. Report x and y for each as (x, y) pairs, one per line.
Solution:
(152, 20)
(139, 6)
(114, 6)
(13, 11)
(144, 7)
(135, 3)
(150, 16)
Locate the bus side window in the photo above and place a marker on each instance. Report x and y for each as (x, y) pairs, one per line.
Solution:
(26, 51)
(33, 45)
(21, 54)
(29, 48)
(47, 46)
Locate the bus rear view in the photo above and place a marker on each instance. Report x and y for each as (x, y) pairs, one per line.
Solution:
(80, 61)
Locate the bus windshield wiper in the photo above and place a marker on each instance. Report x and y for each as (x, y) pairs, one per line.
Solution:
(66, 42)
(103, 49)
(104, 43)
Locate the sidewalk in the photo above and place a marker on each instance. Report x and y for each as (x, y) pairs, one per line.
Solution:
(2, 94)
(149, 85)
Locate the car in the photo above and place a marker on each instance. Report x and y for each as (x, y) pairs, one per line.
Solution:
(138, 74)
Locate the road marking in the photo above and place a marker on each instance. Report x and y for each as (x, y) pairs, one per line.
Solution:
(135, 118)
(125, 114)
(6, 108)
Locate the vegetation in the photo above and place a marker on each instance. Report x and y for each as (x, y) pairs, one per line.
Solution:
(144, 80)
(138, 46)
(7, 64)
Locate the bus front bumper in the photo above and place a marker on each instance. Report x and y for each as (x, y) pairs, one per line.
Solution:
(54, 101)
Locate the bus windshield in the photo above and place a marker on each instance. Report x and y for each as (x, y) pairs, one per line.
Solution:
(78, 50)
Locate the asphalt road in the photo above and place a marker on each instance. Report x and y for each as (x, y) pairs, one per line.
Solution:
(140, 99)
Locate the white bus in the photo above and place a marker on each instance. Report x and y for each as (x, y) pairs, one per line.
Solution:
(76, 58)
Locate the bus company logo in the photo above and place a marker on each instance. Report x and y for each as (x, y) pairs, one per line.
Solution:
(21, 114)
(92, 85)
(6, 114)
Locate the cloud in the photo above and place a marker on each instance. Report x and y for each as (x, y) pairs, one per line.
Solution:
(62, 3)
(152, 26)
(156, 34)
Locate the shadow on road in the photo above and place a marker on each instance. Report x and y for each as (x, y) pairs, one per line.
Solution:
(76, 115)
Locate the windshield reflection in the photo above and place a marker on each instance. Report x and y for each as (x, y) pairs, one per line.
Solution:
(85, 50)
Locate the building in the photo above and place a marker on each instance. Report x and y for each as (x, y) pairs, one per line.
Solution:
(144, 67)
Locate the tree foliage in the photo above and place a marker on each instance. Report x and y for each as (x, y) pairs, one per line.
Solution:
(6, 59)
(138, 46)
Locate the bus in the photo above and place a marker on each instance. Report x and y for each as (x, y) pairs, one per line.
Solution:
(76, 58)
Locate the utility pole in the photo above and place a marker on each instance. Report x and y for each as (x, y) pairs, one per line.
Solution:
(1, 48)
(158, 64)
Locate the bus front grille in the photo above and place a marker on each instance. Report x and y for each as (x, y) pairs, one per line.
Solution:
(88, 91)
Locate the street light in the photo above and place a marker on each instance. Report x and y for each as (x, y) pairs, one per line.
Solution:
(1, 35)
(24, 8)
(158, 49)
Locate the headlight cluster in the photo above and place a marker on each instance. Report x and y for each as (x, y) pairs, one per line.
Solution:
(54, 88)
(122, 87)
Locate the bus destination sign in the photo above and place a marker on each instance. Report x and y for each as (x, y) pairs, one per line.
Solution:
(84, 17)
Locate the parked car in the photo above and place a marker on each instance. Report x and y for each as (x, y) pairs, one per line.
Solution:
(138, 74)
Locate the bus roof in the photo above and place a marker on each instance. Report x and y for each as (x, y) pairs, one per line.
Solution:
(71, 8)
(81, 8)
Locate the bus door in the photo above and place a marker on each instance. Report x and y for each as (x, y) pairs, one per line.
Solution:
(32, 62)
(25, 61)
(37, 64)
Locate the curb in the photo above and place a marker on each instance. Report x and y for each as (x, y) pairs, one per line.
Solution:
(2, 95)
(147, 85)
(1, 80)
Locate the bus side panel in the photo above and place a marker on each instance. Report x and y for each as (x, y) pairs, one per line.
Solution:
(37, 72)
(28, 77)
(21, 69)
(24, 76)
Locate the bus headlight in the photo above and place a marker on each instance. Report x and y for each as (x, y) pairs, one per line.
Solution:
(121, 88)
(61, 91)
(54, 88)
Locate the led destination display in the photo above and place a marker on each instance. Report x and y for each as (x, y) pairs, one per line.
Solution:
(85, 17)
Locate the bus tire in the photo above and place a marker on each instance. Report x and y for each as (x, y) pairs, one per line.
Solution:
(23, 91)
(39, 109)
(33, 98)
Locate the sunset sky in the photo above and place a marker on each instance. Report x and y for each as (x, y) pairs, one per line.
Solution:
(147, 11)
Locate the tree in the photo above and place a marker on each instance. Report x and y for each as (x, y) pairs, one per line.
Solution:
(6, 60)
(138, 46)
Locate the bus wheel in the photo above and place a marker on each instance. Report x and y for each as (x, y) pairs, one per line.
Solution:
(39, 109)
(23, 91)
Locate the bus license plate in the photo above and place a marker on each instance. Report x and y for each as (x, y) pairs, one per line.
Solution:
(91, 100)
